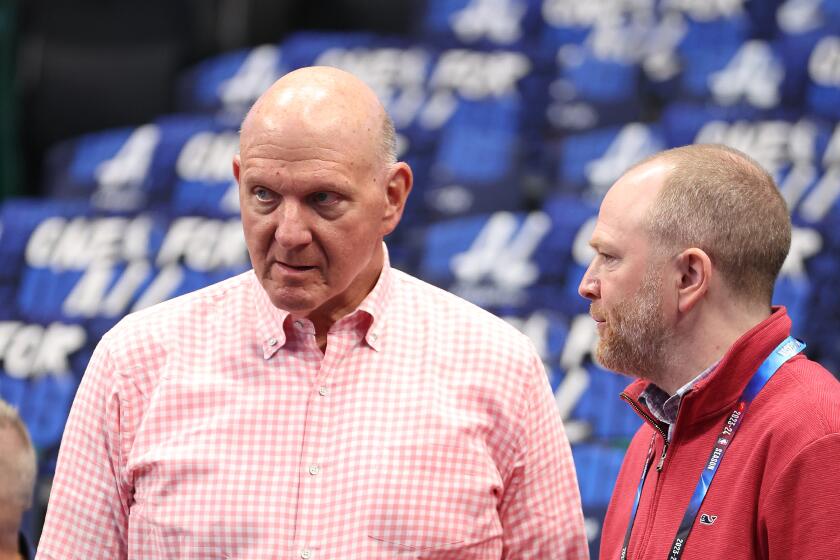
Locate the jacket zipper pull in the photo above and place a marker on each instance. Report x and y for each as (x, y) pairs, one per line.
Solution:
(662, 457)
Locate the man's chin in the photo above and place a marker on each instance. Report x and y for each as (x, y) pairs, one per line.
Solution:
(609, 360)
(295, 303)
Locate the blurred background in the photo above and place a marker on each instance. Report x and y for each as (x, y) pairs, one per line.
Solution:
(118, 122)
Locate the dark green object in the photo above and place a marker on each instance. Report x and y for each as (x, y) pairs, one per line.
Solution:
(10, 183)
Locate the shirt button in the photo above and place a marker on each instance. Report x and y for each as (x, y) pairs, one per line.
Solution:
(314, 469)
(272, 342)
(373, 337)
(322, 390)
(299, 324)
(306, 554)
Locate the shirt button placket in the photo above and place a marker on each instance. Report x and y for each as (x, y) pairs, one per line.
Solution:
(315, 450)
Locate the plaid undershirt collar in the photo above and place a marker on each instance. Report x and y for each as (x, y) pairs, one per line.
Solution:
(665, 407)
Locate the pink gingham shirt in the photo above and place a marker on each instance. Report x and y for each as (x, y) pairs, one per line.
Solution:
(211, 426)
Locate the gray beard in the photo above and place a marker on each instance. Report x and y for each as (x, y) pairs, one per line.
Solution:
(635, 338)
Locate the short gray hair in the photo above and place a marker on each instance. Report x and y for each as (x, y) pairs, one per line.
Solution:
(18, 466)
(389, 140)
(720, 200)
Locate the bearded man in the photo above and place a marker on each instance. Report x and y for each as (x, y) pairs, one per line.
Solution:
(688, 247)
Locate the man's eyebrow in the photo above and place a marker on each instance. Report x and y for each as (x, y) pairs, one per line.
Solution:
(600, 244)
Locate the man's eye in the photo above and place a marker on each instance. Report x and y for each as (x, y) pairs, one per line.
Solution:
(324, 198)
(606, 257)
(263, 195)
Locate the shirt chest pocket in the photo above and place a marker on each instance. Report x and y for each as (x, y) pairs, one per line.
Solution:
(434, 500)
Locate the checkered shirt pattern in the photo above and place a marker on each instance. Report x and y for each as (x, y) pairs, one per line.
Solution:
(212, 426)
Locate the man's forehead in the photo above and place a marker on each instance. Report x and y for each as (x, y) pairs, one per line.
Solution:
(328, 120)
(642, 183)
(304, 149)
(626, 204)
(635, 191)
(317, 96)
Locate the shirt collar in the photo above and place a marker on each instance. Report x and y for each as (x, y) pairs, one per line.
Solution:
(375, 304)
(370, 316)
(665, 407)
(270, 319)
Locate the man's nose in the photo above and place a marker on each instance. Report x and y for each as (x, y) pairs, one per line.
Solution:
(292, 226)
(589, 287)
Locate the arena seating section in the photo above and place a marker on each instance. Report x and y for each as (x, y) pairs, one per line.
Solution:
(516, 116)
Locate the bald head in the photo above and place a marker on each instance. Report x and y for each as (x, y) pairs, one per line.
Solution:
(633, 195)
(319, 189)
(327, 100)
(718, 199)
(17, 461)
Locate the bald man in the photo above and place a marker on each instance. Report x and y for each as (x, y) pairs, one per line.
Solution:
(322, 405)
(18, 468)
(688, 246)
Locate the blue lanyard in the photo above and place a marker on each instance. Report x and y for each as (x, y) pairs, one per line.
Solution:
(788, 348)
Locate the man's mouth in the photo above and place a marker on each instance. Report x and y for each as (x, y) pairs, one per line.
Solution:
(294, 267)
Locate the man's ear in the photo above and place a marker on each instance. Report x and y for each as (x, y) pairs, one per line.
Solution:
(237, 167)
(397, 186)
(695, 274)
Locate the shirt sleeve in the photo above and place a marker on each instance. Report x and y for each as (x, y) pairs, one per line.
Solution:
(799, 515)
(87, 515)
(541, 512)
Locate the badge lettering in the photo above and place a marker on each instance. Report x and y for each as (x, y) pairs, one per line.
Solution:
(713, 461)
(675, 552)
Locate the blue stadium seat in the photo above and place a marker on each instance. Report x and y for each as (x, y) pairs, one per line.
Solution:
(132, 169)
(484, 24)
(90, 269)
(592, 91)
(588, 163)
(516, 117)
(231, 82)
(823, 94)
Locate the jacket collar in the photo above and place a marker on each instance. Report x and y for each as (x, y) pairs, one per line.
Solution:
(721, 388)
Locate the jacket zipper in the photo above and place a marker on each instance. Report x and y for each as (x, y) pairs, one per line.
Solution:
(656, 426)
(653, 422)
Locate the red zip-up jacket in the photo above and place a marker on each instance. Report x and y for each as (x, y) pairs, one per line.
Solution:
(776, 494)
